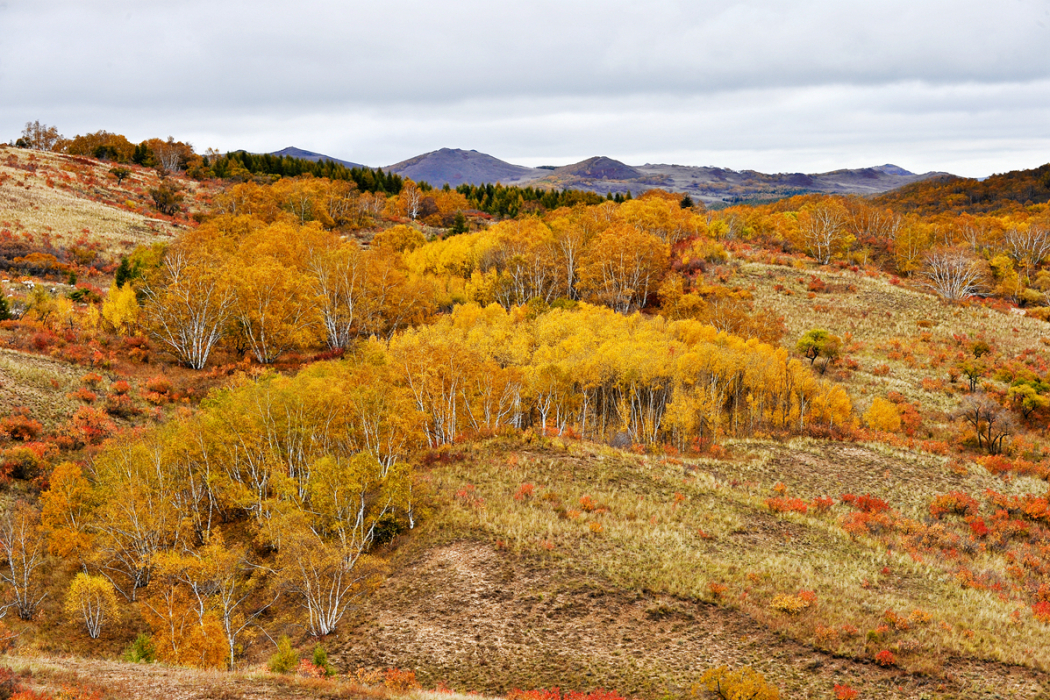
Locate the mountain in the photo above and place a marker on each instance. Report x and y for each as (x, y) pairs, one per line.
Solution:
(602, 174)
(456, 166)
(310, 155)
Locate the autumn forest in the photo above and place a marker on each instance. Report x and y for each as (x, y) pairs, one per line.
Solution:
(286, 418)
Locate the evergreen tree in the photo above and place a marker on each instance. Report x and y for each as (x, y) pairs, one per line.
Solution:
(5, 308)
(124, 273)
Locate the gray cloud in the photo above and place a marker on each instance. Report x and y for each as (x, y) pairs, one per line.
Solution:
(801, 85)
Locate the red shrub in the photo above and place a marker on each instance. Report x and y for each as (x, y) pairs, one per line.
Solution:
(885, 658)
(822, 504)
(955, 502)
(866, 503)
(524, 492)
(400, 681)
(19, 426)
(159, 384)
(786, 505)
(844, 692)
(119, 388)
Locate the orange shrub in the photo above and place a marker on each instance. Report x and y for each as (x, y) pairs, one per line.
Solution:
(786, 505)
(955, 502)
(400, 681)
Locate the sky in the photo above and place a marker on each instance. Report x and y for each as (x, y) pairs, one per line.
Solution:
(778, 86)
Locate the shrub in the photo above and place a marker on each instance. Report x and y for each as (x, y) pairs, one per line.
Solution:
(866, 503)
(119, 387)
(400, 681)
(524, 492)
(91, 379)
(786, 505)
(844, 692)
(286, 659)
(141, 651)
(883, 415)
(885, 658)
(83, 394)
(744, 683)
(308, 669)
(320, 659)
(790, 604)
(159, 384)
(19, 426)
(955, 502)
(822, 504)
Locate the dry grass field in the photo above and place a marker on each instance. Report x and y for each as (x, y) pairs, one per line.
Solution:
(113, 680)
(66, 200)
(638, 573)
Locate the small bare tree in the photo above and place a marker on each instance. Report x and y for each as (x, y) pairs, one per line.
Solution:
(953, 273)
(991, 422)
(1027, 246)
(22, 548)
(823, 231)
(169, 156)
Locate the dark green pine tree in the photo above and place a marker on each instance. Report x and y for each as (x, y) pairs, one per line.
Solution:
(123, 274)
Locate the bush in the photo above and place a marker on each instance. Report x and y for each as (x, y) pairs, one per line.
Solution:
(320, 658)
(141, 651)
(400, 681)
(286, 659)
(790, 604)
(19, 426)
(744, 683)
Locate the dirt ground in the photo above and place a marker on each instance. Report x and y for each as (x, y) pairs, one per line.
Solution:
(480, 619)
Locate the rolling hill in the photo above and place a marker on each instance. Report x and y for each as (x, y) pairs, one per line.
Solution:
(456, 167)
(310, 155)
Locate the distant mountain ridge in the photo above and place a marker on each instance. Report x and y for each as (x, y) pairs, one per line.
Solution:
(601, 174)
(317, 157)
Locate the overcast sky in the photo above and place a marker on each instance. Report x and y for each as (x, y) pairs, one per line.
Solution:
(955, 85)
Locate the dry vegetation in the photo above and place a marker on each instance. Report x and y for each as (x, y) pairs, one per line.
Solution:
(66, 200)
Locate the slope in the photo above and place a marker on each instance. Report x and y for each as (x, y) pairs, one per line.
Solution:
(638, 573)
(53, 199)
(999, 193)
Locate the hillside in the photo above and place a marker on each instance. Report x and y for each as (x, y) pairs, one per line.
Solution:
(500, 591)
(1003, 193)
(49, 199)
(568, 477)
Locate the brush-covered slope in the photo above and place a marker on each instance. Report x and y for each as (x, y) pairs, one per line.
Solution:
(49, 199)
(999, 193)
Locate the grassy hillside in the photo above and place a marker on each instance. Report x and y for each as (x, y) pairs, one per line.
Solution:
(58, 200)
(554, 562)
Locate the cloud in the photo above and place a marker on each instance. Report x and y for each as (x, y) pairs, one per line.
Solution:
(533, 81)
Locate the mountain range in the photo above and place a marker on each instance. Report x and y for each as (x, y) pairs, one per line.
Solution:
(603, 175)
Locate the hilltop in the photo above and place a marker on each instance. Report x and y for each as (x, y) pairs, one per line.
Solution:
(293, 152)
(455, 167)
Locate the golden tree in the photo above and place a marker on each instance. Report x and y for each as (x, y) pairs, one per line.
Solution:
(92, 598)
